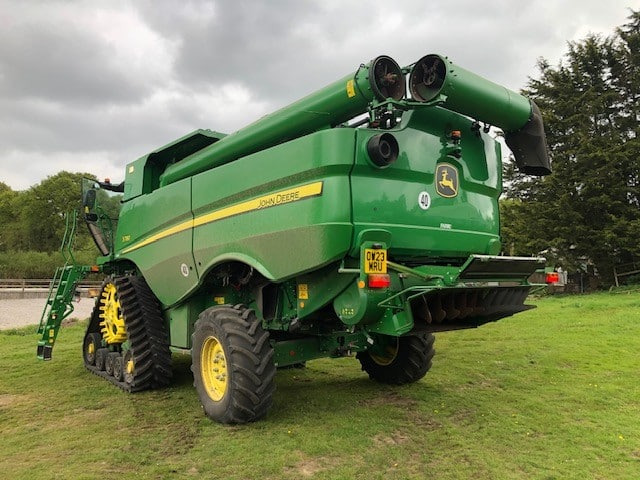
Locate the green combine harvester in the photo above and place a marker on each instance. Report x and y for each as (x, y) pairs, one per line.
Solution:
(357, 220)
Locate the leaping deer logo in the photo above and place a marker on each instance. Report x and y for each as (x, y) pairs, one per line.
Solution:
(447, 180)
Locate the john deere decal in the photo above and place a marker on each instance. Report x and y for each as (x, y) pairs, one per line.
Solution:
(447, 180)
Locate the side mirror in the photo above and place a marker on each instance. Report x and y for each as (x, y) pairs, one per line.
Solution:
(89, 200)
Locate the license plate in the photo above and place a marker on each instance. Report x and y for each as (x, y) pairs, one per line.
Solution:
(375, 260)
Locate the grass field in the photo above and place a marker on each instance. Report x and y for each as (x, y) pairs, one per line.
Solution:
(553, 393)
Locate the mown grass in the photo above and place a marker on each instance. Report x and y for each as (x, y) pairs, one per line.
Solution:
(549, 394)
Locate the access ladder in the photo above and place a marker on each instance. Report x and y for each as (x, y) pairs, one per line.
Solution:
(61, 291)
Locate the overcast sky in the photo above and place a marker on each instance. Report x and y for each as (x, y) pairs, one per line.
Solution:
(89, 86)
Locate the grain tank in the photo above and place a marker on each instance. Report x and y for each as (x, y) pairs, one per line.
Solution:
(358, 221)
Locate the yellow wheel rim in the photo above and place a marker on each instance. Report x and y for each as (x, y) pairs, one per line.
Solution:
(129, 367)
(91, 348)
(213, 368)
(385, 355)
(112, 323)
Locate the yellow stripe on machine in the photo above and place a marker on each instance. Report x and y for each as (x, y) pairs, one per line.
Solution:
(272, 200)
(160, 235)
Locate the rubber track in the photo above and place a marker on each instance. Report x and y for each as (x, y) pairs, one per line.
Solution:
(146, 334)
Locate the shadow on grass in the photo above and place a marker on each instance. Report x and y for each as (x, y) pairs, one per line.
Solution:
(181, 370)
(327, 388)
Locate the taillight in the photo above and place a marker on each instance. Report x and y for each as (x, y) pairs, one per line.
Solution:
(552, 277)
(379, 280)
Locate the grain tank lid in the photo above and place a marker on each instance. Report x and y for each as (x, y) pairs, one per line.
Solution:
(529, 145)
(185, 146)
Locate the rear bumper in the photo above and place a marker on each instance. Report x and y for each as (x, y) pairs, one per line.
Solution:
(485, 289)
(437, 298)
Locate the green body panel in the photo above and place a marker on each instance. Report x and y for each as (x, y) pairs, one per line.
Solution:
(143, 174)
(181, 319)
(280, 240)
(318, 288)
(283, 239)
(389, 198)
(337, 344)
(134, 183)
(167, 263)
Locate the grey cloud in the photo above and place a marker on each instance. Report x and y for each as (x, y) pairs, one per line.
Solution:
(67, 88)
(65, 64)
(254, 43)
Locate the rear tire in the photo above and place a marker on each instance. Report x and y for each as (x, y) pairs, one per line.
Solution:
(404, 360)
(232, 365)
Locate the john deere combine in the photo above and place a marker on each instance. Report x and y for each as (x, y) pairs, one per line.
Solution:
(358, 220)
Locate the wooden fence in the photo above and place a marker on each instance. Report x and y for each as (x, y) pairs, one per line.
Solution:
(39, 287)
(625, 270)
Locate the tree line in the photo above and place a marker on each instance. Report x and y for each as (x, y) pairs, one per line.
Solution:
(33, 222)
(588, 211)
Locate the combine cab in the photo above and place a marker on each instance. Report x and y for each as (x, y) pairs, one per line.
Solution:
(357, 221)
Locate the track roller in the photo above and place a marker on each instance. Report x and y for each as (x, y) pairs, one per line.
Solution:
(92, 342)
(101, 359)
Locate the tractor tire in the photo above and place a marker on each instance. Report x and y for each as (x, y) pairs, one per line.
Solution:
(147, 358)
(404, 360)
(232, 365)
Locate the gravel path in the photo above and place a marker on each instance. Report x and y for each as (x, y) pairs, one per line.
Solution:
(21, 312)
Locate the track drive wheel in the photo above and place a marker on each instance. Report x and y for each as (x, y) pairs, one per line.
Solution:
(232, 365)
(398, 360)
